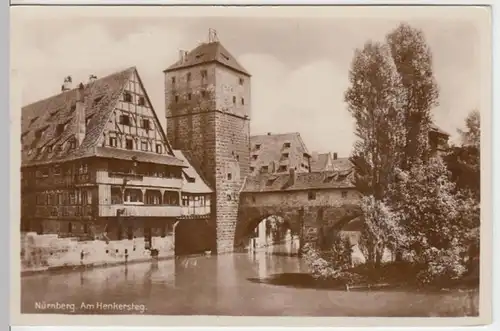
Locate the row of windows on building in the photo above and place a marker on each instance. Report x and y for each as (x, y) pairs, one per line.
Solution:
(130, 144)
(203, 75)
(74, 197)
(149, 197)
(143, 169)
(128, 97)
(56, 170)
(154, 197)
(204, 94)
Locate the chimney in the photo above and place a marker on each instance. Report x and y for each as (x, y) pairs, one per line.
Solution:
(80, 114)
(293, 177)
(66, 86)
(92, 78)
(335, 156)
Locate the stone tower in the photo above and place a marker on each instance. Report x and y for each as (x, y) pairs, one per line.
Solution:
(207, 98)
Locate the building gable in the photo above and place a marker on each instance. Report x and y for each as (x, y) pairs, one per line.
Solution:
(133, 123)
(49, 126)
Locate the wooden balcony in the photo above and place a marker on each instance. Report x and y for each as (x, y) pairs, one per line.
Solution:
(139, 210)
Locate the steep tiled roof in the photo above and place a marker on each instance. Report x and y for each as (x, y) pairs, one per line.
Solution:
(319, 162)
(341, 164)
(206, 53)
(303, 181)
(42, 121)
(271, 147)
(198, 185)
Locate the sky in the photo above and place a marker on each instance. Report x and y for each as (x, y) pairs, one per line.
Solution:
(299, 65)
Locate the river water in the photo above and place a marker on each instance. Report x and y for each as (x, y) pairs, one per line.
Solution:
(230, 285)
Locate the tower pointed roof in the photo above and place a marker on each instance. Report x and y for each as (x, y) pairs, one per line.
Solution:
(208, 53)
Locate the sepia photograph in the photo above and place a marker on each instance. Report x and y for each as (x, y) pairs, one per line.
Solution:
(298, 162)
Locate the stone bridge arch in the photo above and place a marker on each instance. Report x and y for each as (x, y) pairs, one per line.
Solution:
(309, 220)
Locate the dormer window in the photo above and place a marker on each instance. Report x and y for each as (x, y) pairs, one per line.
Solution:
(125, 120)
(141, 101)
(129, 143)
(145, 124)
(127, 97)
(72, 144)
(112, 141)
(286, 145)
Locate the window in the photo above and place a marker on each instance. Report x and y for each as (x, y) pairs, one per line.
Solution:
(112, 141)
(72, 144)
(188, 76)
(203, 93)
(49, 149)
(60, 129)
(189, 96)
(285, 155)
(158, 149)
(242, 81)
(252, 169)
(176, 99)
(116, 196)
(264, 169)
(311, 195)
(145, 124)
(173, 80)
(70, 227)
(286, 145)
(129, 144)
(56, 170)
(254, 157)
(242, 101)
(185, 200)
(127, 97)
(171, 198)
(282, 168)
(141, 101)
(344, 194)
(204, 74)
(144, 146)
(257, 147)
(229, 176)
(125, 119)
(133, 196)
(234, 100)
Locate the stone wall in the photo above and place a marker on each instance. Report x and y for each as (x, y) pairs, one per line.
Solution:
(39, 252)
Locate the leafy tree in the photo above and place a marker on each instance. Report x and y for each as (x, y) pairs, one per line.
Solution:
(472, 135)
(374, 99)
(413, 60)
(381, 228)
(464, 161)
(436, 220)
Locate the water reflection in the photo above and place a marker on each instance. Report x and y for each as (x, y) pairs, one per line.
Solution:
(217, 285)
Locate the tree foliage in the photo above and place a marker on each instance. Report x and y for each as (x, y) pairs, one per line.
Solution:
(374, 99)
(413, 60)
